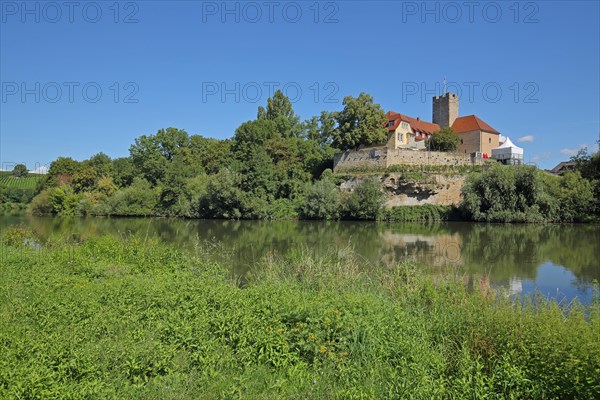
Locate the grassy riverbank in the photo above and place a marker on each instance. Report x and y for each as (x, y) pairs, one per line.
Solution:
(133, 319)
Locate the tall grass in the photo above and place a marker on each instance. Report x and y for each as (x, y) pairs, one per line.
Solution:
(132, 318)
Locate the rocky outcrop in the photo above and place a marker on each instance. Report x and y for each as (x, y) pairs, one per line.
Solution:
(401, 191)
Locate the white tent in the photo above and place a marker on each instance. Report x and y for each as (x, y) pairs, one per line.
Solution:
(508, 153)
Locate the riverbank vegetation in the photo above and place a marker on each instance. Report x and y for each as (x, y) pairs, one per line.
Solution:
(17, 189)
(525, 194)
(278, 167)
(131, 318)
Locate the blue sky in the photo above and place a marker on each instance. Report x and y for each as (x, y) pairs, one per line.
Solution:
(91, 76)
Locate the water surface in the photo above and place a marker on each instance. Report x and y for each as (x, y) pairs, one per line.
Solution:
(559, 261)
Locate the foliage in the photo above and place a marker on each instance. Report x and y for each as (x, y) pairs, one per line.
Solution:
(365, 201)
(588, 166)
(132, 318)
(425, 213)
(361, 122)
(321, 129)
(16, 193)
(525, 194)
(321, 200)
(222, 197)
(17, 236)
(280, 111)
(139, 199)
(444, 140)
(61, 171)
(152, 154)
(506, 194)
(20, 171)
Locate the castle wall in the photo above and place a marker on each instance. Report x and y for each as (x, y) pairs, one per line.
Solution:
(382, 158)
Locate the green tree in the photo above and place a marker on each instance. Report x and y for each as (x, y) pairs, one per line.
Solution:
(365, 201)
(123, 171)
(101, 163)
(321, 201)
(444, 140)
(574, 196)
(19, 171)
(139, 199)
(61, 171)
(360, 123)
(281, 112)
(85, 179)
(151, 154)
(223, 197)
(508, 194)
(213, 154)
(321, 129)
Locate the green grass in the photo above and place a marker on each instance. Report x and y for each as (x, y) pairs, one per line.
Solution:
(131, 318)
(28, 182)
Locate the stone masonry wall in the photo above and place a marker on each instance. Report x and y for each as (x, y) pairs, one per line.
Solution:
(378, 159)
(366, 158)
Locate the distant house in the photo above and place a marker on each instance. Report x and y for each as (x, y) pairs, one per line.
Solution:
(407, 132)
(563, 167)
(476, 136)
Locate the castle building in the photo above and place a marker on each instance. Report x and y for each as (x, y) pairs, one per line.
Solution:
(476, 136)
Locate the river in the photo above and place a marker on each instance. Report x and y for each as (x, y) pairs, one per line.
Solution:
(559, 261)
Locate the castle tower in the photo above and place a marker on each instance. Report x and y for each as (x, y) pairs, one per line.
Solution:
(445, 109)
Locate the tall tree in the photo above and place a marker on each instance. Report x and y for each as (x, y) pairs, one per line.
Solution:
(321, 128)
(444, 140)
(361, 122)
(19, 171)
(152, 154)
(280, 111)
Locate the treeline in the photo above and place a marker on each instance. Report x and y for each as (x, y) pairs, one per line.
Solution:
(279, 167)
(526, 194)
(272, 168)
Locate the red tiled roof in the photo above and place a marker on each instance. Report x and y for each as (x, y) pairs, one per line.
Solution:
(416, 124)
(471, 123)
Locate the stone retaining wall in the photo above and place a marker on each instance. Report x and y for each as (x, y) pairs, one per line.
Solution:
(382, 158)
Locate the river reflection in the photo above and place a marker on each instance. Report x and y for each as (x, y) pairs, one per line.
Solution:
(559, 260)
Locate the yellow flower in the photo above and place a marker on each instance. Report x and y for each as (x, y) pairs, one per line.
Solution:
(322, 349)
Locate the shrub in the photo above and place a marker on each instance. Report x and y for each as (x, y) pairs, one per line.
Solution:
(425, 213)
(136, 200)
(365, 201)
(507, 194)
(321, 201)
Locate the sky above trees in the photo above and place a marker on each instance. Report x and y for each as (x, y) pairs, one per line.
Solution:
(76, 81)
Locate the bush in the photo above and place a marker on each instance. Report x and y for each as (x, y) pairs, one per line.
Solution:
(139, 199)
(365, 201)
(17, 236)
(444, 140)
(321, 201)
(525, 194)
(507, 194)
(425, 213)
(224, 199)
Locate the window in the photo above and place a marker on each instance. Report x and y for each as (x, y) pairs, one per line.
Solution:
(390, 123)
(489, 140)
(461, 141)
(401, 137)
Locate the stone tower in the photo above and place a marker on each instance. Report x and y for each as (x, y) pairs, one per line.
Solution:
(445, 109)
